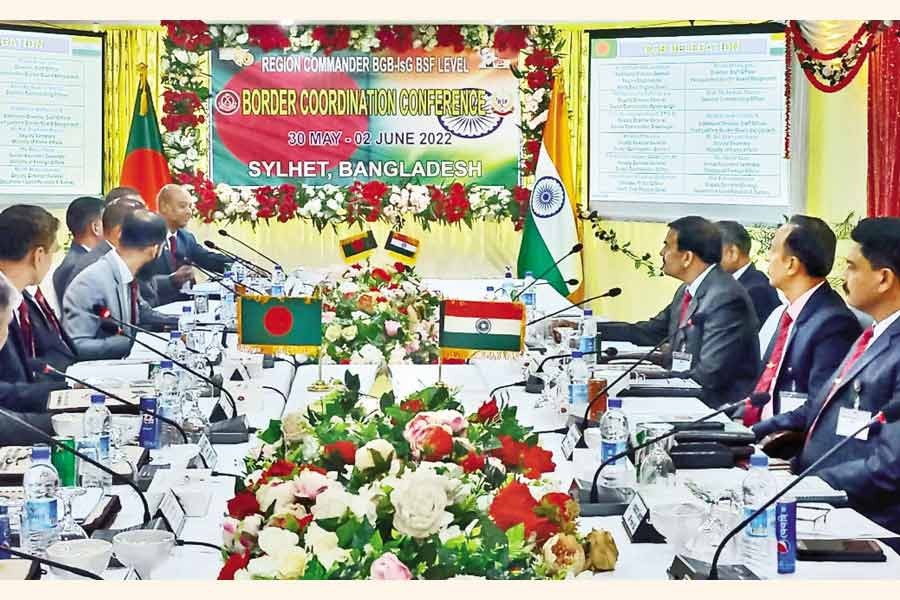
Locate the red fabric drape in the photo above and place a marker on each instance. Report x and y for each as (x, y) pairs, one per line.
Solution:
(884, 125)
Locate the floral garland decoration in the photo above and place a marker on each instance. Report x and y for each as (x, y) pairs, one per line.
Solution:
(833, 71)
(188, 91)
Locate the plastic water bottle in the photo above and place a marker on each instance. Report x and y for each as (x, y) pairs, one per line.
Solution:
(277, 290)
(186, 320)
(175, 348)
(529, 296)
(278, 278)
(614, 435)
(238, 271)
(4, 530)
(506, 290)
(578, 382)
(490, 293)
(758, 546)
(588, 342)
(97, 424)
(228, 302)
(40, 517)
(168, 402)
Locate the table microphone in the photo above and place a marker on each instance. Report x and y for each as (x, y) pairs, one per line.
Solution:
(575, 250)
(41, 367)
(56, 443)
(611, 293)
(104, 313)
(51, 563)
(758, 399)
(212, 246)
(609, 353)
(224, 233)
(888, 414)
(572, 281)
(113, 328)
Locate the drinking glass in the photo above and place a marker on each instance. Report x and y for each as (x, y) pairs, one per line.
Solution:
(70, 530)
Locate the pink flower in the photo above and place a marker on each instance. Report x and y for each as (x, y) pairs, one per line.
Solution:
(309, 484)
(412, 346)
(391, 328)
(452, 419)
(387, 567)
(415, 431)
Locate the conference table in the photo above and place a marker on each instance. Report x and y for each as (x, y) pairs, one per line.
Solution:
(473, 383)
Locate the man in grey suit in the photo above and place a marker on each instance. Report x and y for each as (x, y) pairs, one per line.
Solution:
(111, 282)
(711, 322)
(11, 433)
(83, 218)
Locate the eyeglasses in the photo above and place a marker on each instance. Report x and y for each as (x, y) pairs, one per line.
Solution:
(817, 515)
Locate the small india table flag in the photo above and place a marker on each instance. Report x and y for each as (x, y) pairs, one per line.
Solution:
(404, 248)
(273, 324)
(358, 247)
(490, 329)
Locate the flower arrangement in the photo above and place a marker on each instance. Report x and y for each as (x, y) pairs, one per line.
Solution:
(187, 85)
(379, 315)
(414, 490)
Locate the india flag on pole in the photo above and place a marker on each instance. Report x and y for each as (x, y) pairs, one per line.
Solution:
(550, 225)
(467, 327)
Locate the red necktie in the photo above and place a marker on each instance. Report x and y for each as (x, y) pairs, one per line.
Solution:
(752, 414)
(173, 245)
(133, 286)
(861, 344)
(48, 312)
(685, 302)
(25, 329)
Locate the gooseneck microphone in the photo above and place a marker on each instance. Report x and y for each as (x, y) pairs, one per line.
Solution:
(233, 289)
(609, 353)
(114, 329)
(611, 293)
(57, 444)
(224, 233)
(52, 563)
(888, 414)
(48, 369)
(104, 313)
(213, 246)
(575, 250)
(758, 399)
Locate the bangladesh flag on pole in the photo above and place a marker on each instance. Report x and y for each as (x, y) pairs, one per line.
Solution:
(145, 168)
(493, 328)
(290, 325)
(550, 225)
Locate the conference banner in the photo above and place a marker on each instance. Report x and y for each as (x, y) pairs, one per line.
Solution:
(418, 117)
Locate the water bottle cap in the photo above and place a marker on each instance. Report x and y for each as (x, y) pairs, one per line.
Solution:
(508, 275)
(186, 309)
(588, 312)
(166, 364)
(228, 274)
(614, 403)
(529, 274)
(40, 452)
(759, 460)
(490, 288)
(98, 398)
(576, 354)
(173, 335)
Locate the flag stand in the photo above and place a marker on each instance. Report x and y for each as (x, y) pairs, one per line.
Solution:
(319, 385)
(440, 380)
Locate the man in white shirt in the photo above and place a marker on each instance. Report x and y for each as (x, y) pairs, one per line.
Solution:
(710, 324)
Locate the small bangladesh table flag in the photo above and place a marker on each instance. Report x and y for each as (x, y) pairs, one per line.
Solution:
(358, 247)
(490, 329)
(290, 325)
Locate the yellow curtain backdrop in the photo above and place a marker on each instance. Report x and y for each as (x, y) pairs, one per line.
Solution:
(837, 171)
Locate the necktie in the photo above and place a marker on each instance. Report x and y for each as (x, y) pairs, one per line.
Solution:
(685, 302)
(48, 311)
(133, 289)
(861, 344)
(25, 329)
(752, 414)
(173, 246)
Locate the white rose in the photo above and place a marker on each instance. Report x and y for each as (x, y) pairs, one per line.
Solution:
(364, 459)
(292, 563)
(264, 566)
(294, 427)
(419, 504)
(331, 504)
(333, 332)
(242, 38)
(324, 545)
(350, 333)
(252, 524)
(274, 541)
(280, 494)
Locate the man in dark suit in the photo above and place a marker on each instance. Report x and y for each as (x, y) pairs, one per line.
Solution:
(720, 351)
(868, 469)
(28, 401)
(172, 268)
(815, 330)
(27, 244)
(111, 282)
(736, 244)
(83, 218)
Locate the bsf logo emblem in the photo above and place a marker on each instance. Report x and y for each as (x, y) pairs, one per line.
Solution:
(227, 102)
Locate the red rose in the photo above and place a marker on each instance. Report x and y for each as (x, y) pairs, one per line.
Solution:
(399, 267)
(243, 505)
(234, 563)
(533, 147)
(510, 451)
(536, 460)
(488, 411)
(413, 405)
(514, 504)
(344, 449)
(472, 462)
(280, 468)
(450, 35)
(267, 37)
(381, 274)
(537, 79)
(436, 443)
